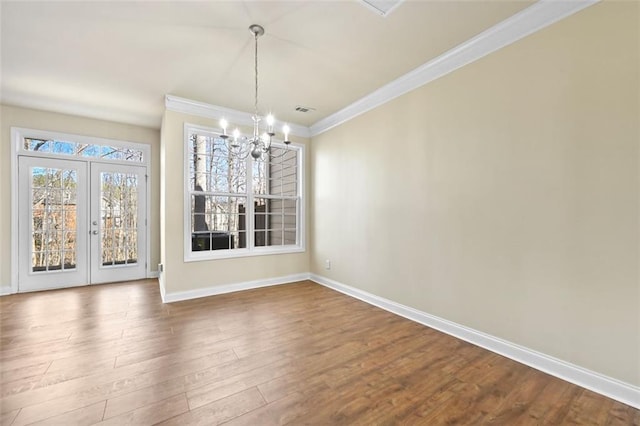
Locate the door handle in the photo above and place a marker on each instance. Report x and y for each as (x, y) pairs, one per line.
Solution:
(94, 232)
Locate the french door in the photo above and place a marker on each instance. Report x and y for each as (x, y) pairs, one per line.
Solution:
(80, 223)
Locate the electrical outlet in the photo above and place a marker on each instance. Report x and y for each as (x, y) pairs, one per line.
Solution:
(327, 264)
(160, 267)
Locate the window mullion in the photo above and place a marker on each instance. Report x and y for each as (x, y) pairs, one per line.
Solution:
(218, 194)
(249, 210)
(299, 192)
(268, 204)
(278, 197)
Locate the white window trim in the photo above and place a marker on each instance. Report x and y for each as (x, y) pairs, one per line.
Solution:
(18, 134)
(190, 256)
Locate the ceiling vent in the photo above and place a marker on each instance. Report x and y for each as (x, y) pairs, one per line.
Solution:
(301, 108)
(382, 7)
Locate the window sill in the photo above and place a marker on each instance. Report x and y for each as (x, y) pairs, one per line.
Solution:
(238, 253)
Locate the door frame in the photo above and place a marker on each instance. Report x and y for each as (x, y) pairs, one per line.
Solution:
(17, 149)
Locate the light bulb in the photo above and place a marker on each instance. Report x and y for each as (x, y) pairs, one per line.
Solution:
(236, 134)
(286, 130)
(270, 120)
(224, 124)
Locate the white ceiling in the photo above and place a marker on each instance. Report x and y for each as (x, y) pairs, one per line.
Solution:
(117, 60)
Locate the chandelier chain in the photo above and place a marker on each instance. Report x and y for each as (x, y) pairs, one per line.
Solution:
(256, 74)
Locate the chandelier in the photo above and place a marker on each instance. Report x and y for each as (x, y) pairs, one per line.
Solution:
(260, 141)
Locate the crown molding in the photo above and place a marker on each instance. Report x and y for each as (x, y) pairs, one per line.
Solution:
(201, 109)
(528, 21)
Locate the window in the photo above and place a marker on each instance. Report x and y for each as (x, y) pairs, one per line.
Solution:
(86, 150)
(241, 206)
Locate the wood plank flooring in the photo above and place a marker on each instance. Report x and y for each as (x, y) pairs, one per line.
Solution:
(291, 354)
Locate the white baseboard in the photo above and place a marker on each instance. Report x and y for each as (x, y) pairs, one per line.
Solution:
(152, 274)
(169, 297)
(607, 386)
(6, 290)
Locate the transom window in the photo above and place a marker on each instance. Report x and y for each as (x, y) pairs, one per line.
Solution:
(86, 150)
(239, 206)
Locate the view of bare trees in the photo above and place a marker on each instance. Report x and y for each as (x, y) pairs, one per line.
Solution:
(54, 193)
(219, 185)
(54, 216)
(219, 181)
(106, 152)
(119, 215)
(54, 207)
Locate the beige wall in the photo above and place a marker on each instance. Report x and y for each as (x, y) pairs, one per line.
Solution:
(184, 276)
(503, 196)
(40, 120)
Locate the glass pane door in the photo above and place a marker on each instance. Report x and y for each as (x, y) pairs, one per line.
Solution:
(79, 223)
(118, 200)
(53, 205)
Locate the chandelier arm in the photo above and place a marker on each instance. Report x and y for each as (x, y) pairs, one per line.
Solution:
(241, 153)
(284, 149)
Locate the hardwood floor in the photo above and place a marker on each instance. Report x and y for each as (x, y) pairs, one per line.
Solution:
(291, 354)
